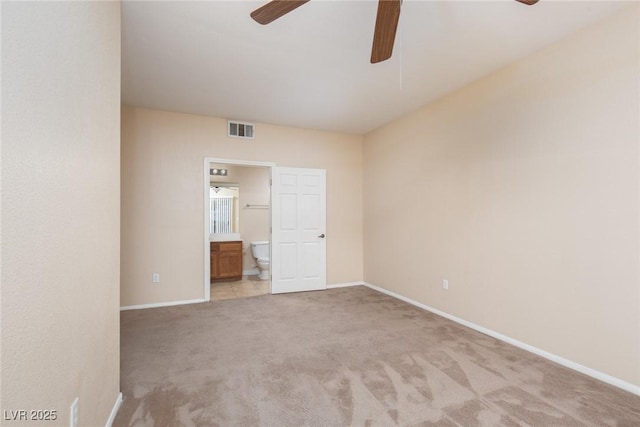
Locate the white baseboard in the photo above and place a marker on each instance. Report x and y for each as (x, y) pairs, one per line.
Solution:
(161, 304)
(344, 285)
(114, 410)
(251, 272)
(550, 356)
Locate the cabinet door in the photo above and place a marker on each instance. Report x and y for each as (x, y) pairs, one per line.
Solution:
(230, 259)
(230, 264)
(215, 260)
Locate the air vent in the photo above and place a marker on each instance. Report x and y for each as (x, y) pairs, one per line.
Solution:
(240, 130)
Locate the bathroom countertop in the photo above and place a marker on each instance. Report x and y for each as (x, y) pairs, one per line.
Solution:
(226, 237)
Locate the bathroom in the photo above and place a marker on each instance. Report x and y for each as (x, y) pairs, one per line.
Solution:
(239, 216)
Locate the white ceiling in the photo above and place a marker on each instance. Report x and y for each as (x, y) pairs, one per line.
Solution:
(311, 68)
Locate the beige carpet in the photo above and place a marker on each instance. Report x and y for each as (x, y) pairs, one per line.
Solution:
(342, 357)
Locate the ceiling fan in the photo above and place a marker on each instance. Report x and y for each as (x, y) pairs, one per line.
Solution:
(386, 22)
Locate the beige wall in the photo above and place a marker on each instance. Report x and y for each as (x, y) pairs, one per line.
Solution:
(60, 208)
(522, 190)
(163, 206)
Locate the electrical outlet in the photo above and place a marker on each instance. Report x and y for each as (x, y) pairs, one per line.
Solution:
(155, 278)
(73, 414)
(445, 284)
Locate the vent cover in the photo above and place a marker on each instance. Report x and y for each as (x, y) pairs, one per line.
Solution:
(240, 130)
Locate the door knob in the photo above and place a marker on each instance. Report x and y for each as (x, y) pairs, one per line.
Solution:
(321, 236)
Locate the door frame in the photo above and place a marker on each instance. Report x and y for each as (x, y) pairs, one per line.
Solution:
(207, 214)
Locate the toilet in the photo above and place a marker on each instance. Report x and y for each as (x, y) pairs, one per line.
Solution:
(260, 251)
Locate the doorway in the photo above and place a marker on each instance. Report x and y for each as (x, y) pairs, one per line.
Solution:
(237, 197)
(295, 211)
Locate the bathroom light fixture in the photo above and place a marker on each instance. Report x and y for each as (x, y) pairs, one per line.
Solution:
(216, 171)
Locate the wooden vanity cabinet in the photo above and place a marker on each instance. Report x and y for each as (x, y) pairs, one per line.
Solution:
(226, 261)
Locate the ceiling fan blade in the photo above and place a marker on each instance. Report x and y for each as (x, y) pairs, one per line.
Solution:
(528, 2)
(274, 10)
(385, 32)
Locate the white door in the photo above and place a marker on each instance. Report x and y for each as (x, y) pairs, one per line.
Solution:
(298, 227)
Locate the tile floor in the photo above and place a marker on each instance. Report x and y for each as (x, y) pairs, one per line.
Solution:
(249, 286)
